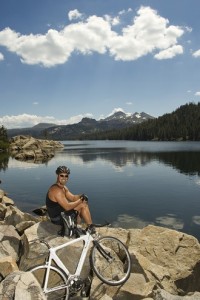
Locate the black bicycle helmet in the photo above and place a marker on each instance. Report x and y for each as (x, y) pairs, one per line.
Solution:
(62, 169)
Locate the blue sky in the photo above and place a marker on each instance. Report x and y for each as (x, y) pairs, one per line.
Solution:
(64, 60)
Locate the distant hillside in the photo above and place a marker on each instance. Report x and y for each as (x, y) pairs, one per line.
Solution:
(87, 126)
(42, 126)
(182, 124)
(36, 131)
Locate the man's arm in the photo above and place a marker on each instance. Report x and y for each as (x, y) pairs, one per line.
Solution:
(71, 197)
(60, 197)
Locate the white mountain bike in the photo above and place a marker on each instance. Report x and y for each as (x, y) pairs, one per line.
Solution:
(110, 260)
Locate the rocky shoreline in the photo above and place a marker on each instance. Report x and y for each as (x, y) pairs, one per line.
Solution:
(165, 262)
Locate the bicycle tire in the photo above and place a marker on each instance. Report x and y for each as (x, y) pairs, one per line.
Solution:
(111, 261)
(57, 285)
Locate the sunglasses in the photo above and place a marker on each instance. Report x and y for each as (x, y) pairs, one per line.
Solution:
(64, 175)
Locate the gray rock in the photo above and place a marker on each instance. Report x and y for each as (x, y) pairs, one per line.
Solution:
(23, 226)
(7, 201)
(2, 193)
(29, 148)
(163, 295)
(15, 216)
(3, 210)
(10, 242)
(7, 265)
(169, 258)
(21, 285)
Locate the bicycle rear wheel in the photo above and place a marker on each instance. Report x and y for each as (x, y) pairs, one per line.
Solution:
(111, 261)
(57, 284)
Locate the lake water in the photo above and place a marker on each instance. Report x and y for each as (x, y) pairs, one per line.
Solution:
(131, 184)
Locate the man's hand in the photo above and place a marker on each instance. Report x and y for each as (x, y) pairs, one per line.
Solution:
(84, 197)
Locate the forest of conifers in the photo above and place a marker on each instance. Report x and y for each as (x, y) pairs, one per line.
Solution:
(182, 124)
(3, 139)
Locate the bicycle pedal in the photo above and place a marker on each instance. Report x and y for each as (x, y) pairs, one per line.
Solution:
(84, 296)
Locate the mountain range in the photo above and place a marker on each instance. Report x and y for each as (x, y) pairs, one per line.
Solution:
(118, 120)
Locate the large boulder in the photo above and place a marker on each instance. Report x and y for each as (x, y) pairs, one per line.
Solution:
(7, 265)
(20, 285)
(10, 242)
(15, 216)
(3, 211)
(169, 258)
(161, 294)
(29, 148)
(161, 258)
(2, 194)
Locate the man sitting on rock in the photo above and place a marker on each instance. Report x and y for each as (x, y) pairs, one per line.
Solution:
(60, 199)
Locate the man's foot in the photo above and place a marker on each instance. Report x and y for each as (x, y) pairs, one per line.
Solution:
(91, 229)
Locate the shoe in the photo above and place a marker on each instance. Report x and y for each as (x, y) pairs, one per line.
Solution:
(79, 231)
(91, 229)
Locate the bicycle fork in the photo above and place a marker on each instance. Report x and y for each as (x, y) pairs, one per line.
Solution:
(103, 252)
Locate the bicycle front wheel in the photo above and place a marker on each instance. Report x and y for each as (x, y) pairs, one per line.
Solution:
(57, 283)
(111, 261)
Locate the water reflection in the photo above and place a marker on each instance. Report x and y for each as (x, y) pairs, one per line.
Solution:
(196, 220)
(127, 221)
(170, 221)
(17, 164)
(184, 162)
(4, 158)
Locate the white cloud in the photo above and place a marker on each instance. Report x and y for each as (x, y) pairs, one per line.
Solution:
(148, 33)
(74, 14)
(170, 52)
(26, 120)
(197, 94)
(76, 119)
(122, 12)
(119, 109)
(113, 21)
(116, 110)
(35, 103)
(129, 103)
(196, 53)
(189, 29)
(1, 56)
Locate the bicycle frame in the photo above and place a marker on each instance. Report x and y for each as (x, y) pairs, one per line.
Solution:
(87, 239)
